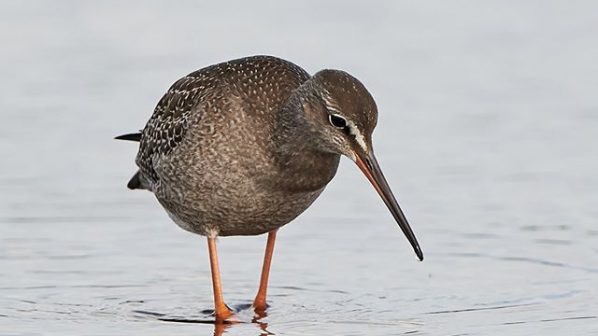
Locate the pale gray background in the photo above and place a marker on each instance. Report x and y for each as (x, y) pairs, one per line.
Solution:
(487, 133)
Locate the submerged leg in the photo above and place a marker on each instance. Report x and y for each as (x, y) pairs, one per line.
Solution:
(259, 304)
(221, 311)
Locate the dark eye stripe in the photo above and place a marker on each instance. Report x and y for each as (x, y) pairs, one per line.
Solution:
(337, 121)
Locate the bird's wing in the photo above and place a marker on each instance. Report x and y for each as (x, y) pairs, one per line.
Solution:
(130, 137)
(181, 106)
(170, 121)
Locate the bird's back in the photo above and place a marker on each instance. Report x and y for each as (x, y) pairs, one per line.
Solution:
(243, 93)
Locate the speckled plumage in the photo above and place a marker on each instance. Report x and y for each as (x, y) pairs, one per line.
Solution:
(237, 148)
(244, 147)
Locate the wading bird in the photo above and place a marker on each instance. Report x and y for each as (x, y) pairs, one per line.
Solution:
(244, 147)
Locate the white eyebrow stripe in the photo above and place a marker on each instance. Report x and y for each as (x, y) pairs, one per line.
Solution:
(353, 130)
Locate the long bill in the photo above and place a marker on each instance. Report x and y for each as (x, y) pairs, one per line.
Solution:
(369, 166)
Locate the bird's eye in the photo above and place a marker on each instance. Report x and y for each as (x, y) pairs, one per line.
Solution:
(337, 121)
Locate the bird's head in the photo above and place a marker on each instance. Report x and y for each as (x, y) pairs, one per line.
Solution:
(342, 115)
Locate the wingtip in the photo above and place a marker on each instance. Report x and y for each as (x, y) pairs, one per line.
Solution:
(129, 137)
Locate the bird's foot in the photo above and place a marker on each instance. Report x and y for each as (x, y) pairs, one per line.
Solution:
(259, 307)
(222, 313)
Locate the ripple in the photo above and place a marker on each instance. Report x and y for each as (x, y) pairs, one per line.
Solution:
(569, 318)
(464, 310)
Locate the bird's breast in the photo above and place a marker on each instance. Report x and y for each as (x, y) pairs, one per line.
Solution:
(304, 172)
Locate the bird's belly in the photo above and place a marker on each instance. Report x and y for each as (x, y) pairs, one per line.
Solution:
(227, 209)
(265, 212)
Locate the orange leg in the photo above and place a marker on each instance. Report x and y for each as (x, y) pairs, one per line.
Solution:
(221, 311)
(259, 304)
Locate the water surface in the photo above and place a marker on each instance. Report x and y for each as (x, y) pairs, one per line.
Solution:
(487, 134)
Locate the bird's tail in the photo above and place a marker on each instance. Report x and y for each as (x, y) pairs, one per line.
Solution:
(135, 181)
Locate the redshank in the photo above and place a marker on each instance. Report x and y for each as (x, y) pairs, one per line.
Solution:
(245, 146)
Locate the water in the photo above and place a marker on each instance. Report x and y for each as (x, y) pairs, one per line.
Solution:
(487, 134)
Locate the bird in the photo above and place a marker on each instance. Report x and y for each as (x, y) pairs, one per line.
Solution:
(243, 147)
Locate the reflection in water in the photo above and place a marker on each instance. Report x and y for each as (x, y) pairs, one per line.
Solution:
(219, 328)
(257, 319)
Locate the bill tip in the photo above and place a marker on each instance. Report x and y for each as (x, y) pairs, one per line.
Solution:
(420, 255)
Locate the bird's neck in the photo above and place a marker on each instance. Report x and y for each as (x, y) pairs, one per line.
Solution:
(303, 165)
